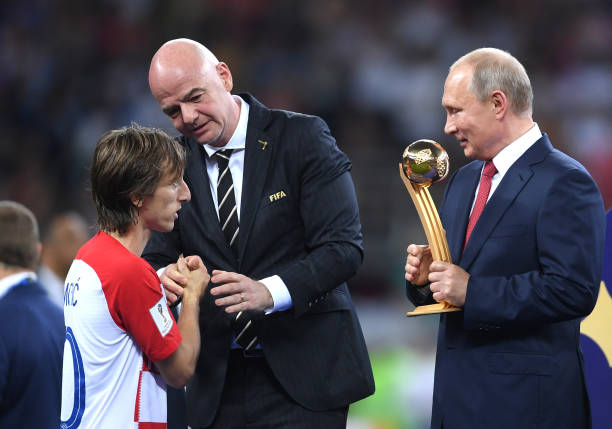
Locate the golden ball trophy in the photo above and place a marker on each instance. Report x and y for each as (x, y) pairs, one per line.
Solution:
(425, 162)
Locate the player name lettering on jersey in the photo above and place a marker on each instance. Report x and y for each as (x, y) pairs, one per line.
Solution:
(71, 292)
(117, 326)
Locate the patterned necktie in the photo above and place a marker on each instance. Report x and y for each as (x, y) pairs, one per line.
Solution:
(488, 172)
(228, 212)
(244, 331)
(228, 219)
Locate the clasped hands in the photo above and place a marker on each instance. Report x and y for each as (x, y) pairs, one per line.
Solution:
(448, 282)
(193, 277)
(235, 292)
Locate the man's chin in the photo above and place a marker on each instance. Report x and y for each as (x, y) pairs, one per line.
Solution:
(167, 227)
(206, 136)
(204, 140)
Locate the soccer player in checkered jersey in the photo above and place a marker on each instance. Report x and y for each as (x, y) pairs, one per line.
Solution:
(122, 343)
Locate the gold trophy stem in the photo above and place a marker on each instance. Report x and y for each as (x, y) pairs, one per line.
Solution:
(436, 237)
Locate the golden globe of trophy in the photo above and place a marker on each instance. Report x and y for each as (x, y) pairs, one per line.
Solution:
(425, 162)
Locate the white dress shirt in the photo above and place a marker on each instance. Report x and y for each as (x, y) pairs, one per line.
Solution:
(508, 156)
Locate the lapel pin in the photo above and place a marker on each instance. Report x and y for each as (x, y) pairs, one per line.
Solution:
(263, 144)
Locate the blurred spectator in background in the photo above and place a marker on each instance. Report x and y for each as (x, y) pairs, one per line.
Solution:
(32, 328)
(65, 234)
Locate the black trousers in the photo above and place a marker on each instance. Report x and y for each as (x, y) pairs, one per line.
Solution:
(253, 399)
(177, 412)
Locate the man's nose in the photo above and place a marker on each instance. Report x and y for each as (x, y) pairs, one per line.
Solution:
(450, 127)
(184, 192)
(189, 114)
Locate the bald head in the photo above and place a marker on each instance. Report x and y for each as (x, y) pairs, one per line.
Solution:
(494, 69)
(194, 90)
(179, 56)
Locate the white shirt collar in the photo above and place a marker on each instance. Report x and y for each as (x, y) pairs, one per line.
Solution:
(9, 282)
(508, 155)
(238, 139)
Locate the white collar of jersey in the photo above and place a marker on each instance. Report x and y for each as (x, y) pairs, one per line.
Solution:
(9, 282)
(238, 139)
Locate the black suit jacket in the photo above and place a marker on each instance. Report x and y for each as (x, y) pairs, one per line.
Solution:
(299, 220)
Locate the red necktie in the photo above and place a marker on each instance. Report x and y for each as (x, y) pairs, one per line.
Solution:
(488, 172)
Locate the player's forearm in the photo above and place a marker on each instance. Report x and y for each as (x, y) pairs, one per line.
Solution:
(180, 366)
(190, 331)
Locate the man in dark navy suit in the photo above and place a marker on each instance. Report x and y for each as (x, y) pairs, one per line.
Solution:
(31, 328)
(525, 226)
(274, 215)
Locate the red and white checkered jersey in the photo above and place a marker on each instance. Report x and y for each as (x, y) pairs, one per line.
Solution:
(117, 324)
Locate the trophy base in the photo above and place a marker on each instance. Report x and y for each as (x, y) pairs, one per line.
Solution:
(440, 307)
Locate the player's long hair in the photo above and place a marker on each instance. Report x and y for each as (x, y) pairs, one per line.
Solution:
(130, 162)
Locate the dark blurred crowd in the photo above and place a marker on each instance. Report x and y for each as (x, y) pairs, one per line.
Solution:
(71, 70)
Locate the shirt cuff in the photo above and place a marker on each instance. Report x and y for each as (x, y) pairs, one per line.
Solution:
(280, 294)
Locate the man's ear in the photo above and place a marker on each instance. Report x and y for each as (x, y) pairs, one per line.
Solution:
(499, 103)
(38, 251)
(136, 201)
(225, 75)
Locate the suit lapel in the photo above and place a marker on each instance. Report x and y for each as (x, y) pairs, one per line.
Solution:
(198, 181)
(511, 185)
(259, 149)
(505, 194)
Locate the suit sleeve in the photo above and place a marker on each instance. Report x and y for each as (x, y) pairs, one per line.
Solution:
(569, 236)
(329, 212)
(419, 295)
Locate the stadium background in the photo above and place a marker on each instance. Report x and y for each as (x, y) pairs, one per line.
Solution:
(70, 70)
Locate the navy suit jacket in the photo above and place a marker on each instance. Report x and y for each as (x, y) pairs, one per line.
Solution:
(299, 220)
(31, 349)
(511, 358)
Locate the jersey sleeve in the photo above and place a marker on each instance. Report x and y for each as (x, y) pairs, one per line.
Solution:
(143, 313)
